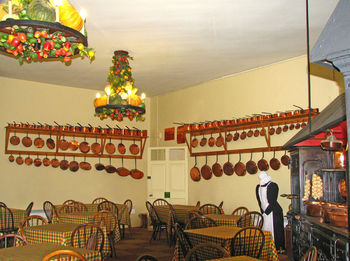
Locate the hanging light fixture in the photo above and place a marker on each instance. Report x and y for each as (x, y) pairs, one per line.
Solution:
(121, 99)
(38, 30)
(331, 142)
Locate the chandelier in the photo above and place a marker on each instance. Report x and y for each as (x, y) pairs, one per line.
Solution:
(121, 99)
(38, 30)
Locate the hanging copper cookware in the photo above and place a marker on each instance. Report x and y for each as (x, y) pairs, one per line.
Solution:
(291, 126)
(11, 158)
(136, 173)
(203, 141)
(73, 144)
(240, 167)
(211, 140)
(285, 159)
(19, 159)
(236, 136)
(50, 143)
(37, 161)
(194, 172)
(28, 160)
(206, 170)
(297, 126)
(243, 135)
(134, 148)
(85, 165)
(251, 166)
(110, 147)
(27, 141)
(55, 162)
(262, 132)
(46, 161)
(275, 163)
(256, 133)
(122, 171)
(229, 137)
(219, 141)
(121, 148)
(194, 142)
(99, 166)
(250, 133)
(271, 130)
(73, 165)
(263, 165)
(39, 142)
(14, 140)
(64, 164)
(96, 147)
(278, 130)
(285, 128)
(228, 167)
(84, 146)
(110, 168)
(303, 125)
(342, 188)
(63, 144)
(216, 168)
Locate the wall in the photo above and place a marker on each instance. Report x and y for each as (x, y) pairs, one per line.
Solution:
(25, 101)
(268, 89)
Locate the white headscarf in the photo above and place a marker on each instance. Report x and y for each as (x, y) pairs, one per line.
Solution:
(264, 178)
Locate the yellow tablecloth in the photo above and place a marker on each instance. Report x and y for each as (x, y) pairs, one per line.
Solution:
(59, 233)
(224, 220)
(38, 251)
(18, 216)
(223, 235)
(235, 258)
(181, 213)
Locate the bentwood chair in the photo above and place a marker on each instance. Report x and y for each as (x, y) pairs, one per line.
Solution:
(252, 218)
(110, 206)
(248, 241)
(163, 203)
(2, 204)
(200, 222)
(146, 258)
(50, 211)
(99, 200)
(128, 204)
(198, 204)
(81, 206)
(64, 255)
(68, 209)
(68, 202)
(107, 219)
(206, 251)
(12, 240)
(210, 209)
(183, 240)
(32, 221)
(6, 221)
(240, 211)
(157, 225)
(310, 255)
(221, 204)
(29, 208)
(88, 236)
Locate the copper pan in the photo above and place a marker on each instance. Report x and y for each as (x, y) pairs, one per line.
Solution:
(297, 126)
(73, 144)
(228, 167)
(262, 132)
(236, 136)
(219, 141)
(285, 128)
(243, 135)
(37, 161)
(19, 159)
(285, 159)
(134, 148)
(50, 143)
(136, 173)
(39, 142)
(292, 126)
(211, 140)
(85, 165)
(229, 137)
(250, 133)
(28, 160)
(96, 147)
(14, 140)
(110, 168)
(194, 172)
(216, 168)
(263, 165)
(110, 147)
(64, 164)
(194, 142)
(271, 130)
(46, 161)
(240, 167)
(206, 170)
(278, 130)
(84, 146)
(55, 162)
(99, 166)
(303, 125)
(251, 165)
(203, 141)
(274, 162)
(122, 171)
(27, 141)
(256, 133)
(63, 144)
(11, 158)
(121, 148)
(73, 165)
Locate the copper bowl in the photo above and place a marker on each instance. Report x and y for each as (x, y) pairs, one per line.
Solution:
(314, 209)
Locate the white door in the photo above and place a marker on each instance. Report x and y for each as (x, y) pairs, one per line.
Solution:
(167, 174)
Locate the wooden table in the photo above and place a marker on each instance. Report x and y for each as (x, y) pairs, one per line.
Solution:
(224, 220)
(236, 258)
(223, 235)
(59, 233)
(38, 251)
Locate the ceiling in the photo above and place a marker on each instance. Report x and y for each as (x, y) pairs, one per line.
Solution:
(177, 44)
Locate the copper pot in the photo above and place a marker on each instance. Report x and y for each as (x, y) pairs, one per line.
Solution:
(194, 172)
(50, 143)
(278, 130)
(134, 148)
(84, 129)
(63, 144)
(262, 164)
(240, 168)
(96, 147)
(28, 161)
(271, 130)
(39, 142)
(110, 147)
(46, 161)
(251, 166)
(27, 141)
(84, 146)
(314, 209)
(121, 148)
(262, 132)
(206, 170)
(14, 140)
(99, 166)
(285, 159)
(256, 133)
(203, 141)
(292, 126)
(275, 163)
(37, 161)
(297, 126)
(64, 164)
(73, 144)
(228, 167)
(285, 128)
(338, 219)
(73, 165)
(219, 141)
(136, 173)
(243, 135)
(211, 140)
(11, 158)
(216, 168)
(110, 168)
(122, 171)
(93, 129)
(19, 160)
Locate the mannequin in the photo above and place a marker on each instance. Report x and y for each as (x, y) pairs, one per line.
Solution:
(266, 194)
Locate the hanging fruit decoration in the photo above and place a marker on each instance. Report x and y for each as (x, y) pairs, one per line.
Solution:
(121, 96)
(28, 31)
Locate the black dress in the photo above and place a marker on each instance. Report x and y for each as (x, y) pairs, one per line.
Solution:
(277, 212)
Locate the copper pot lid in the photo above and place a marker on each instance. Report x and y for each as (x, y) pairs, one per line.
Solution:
(134, 148)
(228, 167)
(194, 172)
(239, 168)
(123, 171)
(39, 142)
(19, 160)
(229, 137)
(14, 140)
(211, 140)
(99, 166)
(206, 170)
(27, 141)
(203, 141)
(274, 162)
(11, 158)
(37, 161)
(50, 143)
(263, 165)
(285, 159)
(63, 144)
(55, 162)
(28, 160)
(73, 144)
(46, 161)
(216, 168)
(251, 165)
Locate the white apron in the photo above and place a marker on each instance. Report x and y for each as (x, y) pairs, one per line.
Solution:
(268, 219)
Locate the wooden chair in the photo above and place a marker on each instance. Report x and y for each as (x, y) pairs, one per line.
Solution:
(194, 213)
(210, 209)
(252, 218)
(248, 241)
(2, 204)
(99, 200)
(206, 251)
(88, 236)
(64, 255)
(198, 204)
(12, 240)
(221, 204)
(146, 258)
(160, 202)
(80, 205)
(32, 221)
(240, 211)
(107, 219)
(200, 222)
(110, 206)
(158, 226)
(67, 208)
(310, 255)
(128, 204)
(68, 202)
(29, 208)
(50, 211)
(183, 240)
(6, 221)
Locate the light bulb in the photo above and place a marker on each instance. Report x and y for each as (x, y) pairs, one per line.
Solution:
(98, 95)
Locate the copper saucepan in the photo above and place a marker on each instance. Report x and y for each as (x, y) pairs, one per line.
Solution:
(228, 167)
(110, 168)
(110, 147)
(211, 140)
(291, 126)
(229, 137)
(28, 160)
(251, 165)
(122, 171)
(263, 165)
(55, 162)
(64, 164)
(275, 163)
(27, 141)
(136, 173)
(73, 144)
(256, 133)
(250, 133)
(96, 147)
(243, 135)
(278, 130)
(14, 140)
(271, 130)
(236, 136)
(84, 146)
(194, 172)
(219, 141)
(297, 126)
(99, 166)
(194, 142)
(285, 128)
(85, 165)
(262, 132)
(285, 159)
(134, 148)
(50, 143)
(121, 148)
(19, 159)
(46, 161)
(39, 142)
(240, 168)
(63, 144)
(206, 170)
(73, 165)
(216, 168)
(37, 161)
(11, 158)
(203, 141)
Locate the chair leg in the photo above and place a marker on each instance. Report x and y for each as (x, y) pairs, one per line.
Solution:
(111, 242)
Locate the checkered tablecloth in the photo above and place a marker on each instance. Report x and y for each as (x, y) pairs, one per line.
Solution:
(38, 251)
(224, 220)
(236, 258)
(181, 213)
(60, 234)
(18, 216)
(223, 235)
